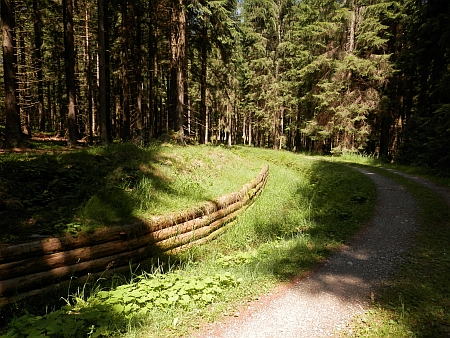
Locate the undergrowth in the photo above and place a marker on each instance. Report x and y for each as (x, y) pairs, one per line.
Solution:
(109, 312)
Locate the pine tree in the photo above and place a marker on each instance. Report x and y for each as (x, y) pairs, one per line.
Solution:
(424, 74)
(357, 67)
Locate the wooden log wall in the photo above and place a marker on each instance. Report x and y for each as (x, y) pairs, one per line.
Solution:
(28, 268)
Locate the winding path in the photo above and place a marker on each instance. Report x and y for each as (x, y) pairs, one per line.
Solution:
(323, 303)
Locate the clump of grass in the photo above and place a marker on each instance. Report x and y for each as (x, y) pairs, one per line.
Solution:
(360, 158)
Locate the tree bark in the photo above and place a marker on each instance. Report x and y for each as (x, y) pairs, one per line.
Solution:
(126, 123)
(88, 68)
(38, 63)
(203, 77)
(104, 140)
(178, 62)
(152, 110)
(139, 117)
(24, 110)
(69, 57)
(13, 132)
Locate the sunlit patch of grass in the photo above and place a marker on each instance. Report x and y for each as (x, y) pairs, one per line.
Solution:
(360, 158)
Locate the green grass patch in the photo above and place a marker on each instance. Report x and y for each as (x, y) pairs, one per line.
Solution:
(364, 159)
(416, 302)
(52, 193)
(308, 209)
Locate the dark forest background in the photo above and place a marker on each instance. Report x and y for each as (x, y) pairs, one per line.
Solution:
(324, 76)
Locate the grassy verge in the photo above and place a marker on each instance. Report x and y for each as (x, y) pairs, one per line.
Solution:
(52, 192)
(413, 170)
(308, 209)
(416, 302)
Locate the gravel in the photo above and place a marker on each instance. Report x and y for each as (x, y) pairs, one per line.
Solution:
(323, 303)
(439, 190)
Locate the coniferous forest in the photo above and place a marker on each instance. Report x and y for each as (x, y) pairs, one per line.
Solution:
(305, 75)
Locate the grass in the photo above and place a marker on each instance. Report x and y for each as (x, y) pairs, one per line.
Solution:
(308, 209)
(363, 159)
(54, 192)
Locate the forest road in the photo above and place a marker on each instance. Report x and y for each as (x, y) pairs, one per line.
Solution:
(322, 304)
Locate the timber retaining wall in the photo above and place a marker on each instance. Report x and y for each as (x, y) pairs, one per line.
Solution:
(29, 268)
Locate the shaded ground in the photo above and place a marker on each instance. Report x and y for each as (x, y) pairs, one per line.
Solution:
(42, 192)
(323, 303)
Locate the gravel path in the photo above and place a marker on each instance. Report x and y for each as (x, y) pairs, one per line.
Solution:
(439, 190)
(323, 303)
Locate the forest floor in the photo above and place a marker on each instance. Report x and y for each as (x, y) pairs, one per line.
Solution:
(324, 303)
(43, 143)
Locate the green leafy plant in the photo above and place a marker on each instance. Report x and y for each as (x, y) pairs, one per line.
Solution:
(108, 311)
(165, 290)
(236, 259)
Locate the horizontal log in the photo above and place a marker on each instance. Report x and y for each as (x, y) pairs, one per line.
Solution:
(41, 279)
(119, 245)
(182, 239)
(71, 257)
(51, 289)
(117, 260)
(60, 259)
(53, 245)
(15, 252)
(198, 223)
(201, 240)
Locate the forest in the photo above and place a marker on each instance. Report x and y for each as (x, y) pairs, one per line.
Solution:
(321, 76)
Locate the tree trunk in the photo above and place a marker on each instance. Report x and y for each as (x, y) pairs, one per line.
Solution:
(178, 62)
(69, 56)
(207, 124)
(38, 63)
(203, 76)
(126, 123)
(152, 109)
(89, 80)
(51, 106)
(250, 140)
(351, 37)
(104, 139)
(107, 26)
(13, 132)
(24, 109)
(138, 71)
(230, 125)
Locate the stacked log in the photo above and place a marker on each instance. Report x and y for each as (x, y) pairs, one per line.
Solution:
(27, 268)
